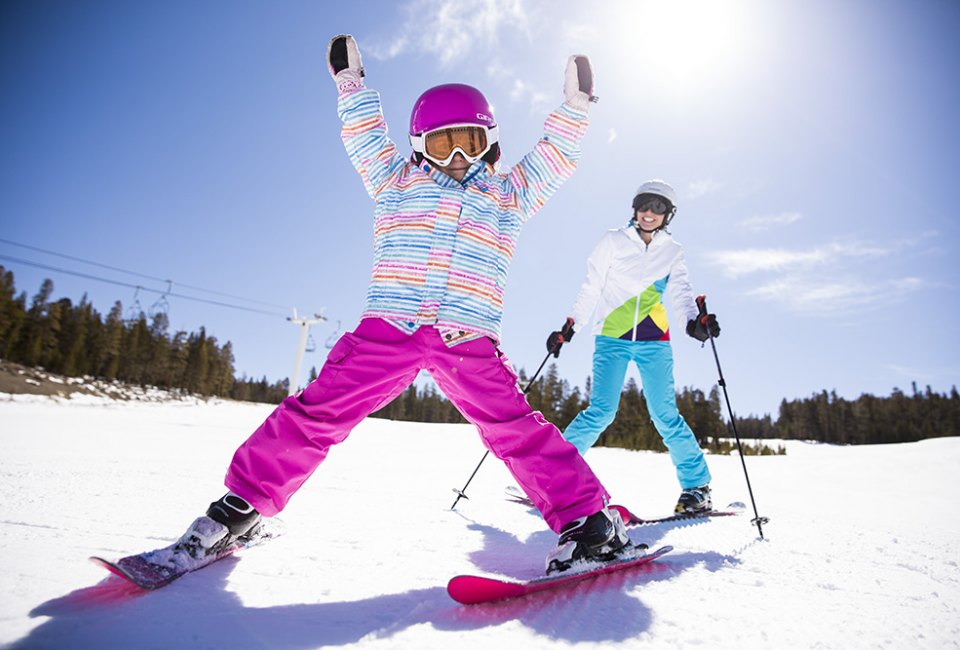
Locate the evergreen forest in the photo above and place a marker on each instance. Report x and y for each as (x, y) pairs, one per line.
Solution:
(75, 340)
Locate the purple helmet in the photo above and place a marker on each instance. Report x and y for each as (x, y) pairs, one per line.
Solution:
(450, 104)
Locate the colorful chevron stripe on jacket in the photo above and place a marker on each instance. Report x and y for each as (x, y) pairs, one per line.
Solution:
(640, 318)
(442, 248)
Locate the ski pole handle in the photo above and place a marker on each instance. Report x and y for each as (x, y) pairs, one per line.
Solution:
(706, 320)
(702, 306)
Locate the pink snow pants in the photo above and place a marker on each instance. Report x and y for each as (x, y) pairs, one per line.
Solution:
(369, 367)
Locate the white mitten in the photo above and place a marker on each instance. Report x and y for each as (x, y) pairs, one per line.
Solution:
(344, 63)
(578, 82)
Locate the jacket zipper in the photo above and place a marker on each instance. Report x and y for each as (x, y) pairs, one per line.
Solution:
(636, 309)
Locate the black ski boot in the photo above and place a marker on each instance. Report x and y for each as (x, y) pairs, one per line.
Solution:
(694, 501)
(601, 536)
(235, 513)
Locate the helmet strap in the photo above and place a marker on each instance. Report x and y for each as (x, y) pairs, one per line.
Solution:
(641, 231)
(667, 218)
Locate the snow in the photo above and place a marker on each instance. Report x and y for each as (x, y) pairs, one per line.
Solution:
(861, 550)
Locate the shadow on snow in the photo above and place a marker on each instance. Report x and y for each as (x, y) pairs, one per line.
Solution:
(198, 610)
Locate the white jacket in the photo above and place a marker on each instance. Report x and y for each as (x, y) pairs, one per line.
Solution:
(625, 283)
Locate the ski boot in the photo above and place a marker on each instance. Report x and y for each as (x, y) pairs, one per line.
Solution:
(235, 513)
(600, 537)
(694, 501)
(227, 520)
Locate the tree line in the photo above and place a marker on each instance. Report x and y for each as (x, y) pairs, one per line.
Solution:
(825, 417)
(75, 340)
(559, 402)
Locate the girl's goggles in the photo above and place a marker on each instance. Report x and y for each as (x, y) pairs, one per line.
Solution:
(441, 145)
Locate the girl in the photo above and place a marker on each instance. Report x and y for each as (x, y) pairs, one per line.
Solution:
(446, 223)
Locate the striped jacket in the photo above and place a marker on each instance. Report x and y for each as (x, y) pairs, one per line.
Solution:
(442, 248)
(625, 283)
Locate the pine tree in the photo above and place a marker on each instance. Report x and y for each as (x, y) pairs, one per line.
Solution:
(33, 340)
(109, 353)
(73, 344)
(198, 363)
(12, 313)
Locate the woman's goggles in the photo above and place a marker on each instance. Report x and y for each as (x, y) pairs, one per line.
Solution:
(441, 145)
(652, 203)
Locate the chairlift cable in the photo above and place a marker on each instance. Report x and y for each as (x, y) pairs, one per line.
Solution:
(138, 274)
(135, 286)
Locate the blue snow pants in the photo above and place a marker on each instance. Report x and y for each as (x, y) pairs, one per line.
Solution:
(654, 359)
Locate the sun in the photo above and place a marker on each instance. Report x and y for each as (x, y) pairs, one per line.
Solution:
(686, 46)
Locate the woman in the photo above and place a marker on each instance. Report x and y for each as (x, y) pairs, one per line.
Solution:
(628, 274)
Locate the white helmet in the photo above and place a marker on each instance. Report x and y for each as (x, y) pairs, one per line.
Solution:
(659, 188)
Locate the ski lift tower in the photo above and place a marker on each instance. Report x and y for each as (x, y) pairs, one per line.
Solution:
(305, 325)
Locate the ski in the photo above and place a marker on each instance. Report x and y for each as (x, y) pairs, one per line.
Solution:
(474, 590)
(160, 567)
(630, 519)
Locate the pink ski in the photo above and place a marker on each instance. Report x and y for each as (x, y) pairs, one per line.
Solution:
(472, 590)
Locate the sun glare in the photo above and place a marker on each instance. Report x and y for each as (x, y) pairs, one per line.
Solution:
(685, 44)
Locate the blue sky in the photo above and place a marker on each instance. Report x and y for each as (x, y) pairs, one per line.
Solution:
(815, 147)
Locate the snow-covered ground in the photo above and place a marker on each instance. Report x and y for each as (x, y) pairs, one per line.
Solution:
(861, 549)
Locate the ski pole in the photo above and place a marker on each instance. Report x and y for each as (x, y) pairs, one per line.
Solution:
(462, 494)
(757, 520)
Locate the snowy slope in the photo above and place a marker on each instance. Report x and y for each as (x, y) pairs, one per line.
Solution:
(861, 550)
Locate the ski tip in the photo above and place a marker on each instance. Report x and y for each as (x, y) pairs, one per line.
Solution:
(476, 590)
(111, 567)
(737, 505)
(99, 561)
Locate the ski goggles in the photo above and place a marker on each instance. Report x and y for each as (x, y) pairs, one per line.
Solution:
(441, 145)
(652, 203)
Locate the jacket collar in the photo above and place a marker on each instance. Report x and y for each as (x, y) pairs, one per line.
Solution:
(660, 237)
